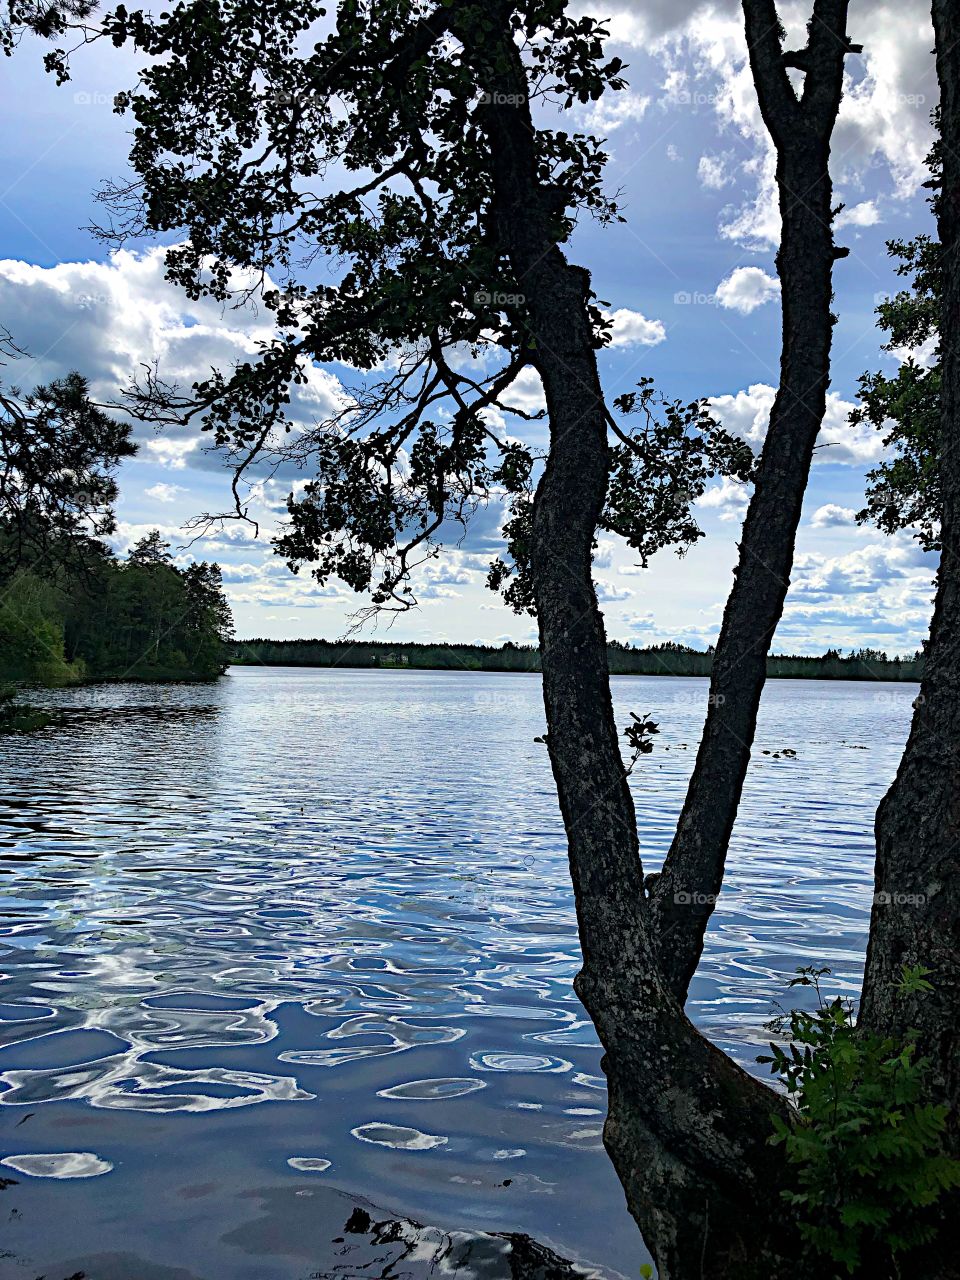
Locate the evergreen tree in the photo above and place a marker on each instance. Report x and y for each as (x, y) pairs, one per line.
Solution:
(58, 456)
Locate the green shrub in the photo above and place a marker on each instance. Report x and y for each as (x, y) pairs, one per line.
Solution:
(865, 1145)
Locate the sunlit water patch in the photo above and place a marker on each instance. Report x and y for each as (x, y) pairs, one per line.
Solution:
(59, 1164)
(309, 1164)
(345, 895)
(399, 1137)
(437, 1089)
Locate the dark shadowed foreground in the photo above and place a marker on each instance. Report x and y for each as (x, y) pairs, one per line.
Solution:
(310, 1231)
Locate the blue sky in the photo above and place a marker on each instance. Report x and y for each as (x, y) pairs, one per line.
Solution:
(689, 277)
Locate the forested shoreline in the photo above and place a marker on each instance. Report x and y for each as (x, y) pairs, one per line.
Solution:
(96, 617)
(70, 608)
(658, 660)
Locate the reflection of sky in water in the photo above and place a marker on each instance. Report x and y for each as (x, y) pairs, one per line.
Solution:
(59, 1164)
(398, 1136)
(349, 890)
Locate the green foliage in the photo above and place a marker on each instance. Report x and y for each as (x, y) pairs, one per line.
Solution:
(658, 470)
(408, 281)
(58, 455)
(903, 492)
(913, 980)
(865, 1145)
(45, 18)
(32, 628)
(416, 285)
(68, 609)
(147, 618)
(142, 618)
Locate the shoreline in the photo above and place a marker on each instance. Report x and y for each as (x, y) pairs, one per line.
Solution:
(628, 663)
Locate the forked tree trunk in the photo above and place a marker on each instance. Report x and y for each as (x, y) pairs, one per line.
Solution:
(916, 913)
(687, 1129)
(684, 895)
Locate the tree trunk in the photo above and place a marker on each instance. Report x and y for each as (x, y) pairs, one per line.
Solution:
(916, 912)
(687, 1129)
(684, 895)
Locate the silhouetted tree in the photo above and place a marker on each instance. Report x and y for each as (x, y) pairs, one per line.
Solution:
(455, 279)
(903, 490)
(58, 456)
(151, 550)
(916, 913)
(800, 124)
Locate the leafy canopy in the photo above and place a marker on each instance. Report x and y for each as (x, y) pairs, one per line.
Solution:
(904, 491)
(334, 166)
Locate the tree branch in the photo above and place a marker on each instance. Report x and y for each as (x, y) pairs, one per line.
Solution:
(683, 897)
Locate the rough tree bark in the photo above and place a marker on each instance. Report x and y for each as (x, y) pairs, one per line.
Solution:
(687, 1129)
(916, 913)
(684, 894)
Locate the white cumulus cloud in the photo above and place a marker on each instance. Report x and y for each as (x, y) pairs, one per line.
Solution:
(864, 214)
(109, 319)
(883, 123)
(747, 414)
(616, 109)
(747, 288)
(833, 516)
(729, 499)
(714, 172)
(608, 592)
(164, 492)
(171, 453)
(631, 329)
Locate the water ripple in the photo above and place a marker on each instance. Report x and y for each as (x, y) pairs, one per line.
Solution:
(399, 1137)
(349, 891)
(60, 1164)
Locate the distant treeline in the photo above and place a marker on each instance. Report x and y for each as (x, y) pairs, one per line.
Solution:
(660, 660)
(97, 617)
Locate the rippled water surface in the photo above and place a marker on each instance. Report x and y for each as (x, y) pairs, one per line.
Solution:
(306, 929)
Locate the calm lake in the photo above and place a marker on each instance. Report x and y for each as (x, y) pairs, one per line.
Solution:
(310, 932)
